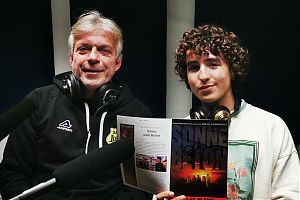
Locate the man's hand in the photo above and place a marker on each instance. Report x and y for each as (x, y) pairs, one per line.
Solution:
(169, 195)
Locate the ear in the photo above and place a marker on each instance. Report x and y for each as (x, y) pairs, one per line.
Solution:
(71, 58)
(118, 63)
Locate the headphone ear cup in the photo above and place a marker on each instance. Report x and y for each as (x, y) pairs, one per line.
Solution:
(110, 97)
(198, 113)
(71, 87)
(75, 88)
(220, 113)
(107, 94)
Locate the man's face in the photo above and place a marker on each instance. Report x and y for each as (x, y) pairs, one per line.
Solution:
(209, 78)
(165, 164)
(94, 60)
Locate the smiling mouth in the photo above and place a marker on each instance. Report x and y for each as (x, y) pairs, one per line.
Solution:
(205, 87)
(91, 70)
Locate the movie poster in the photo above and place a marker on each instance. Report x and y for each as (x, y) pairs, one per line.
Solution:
(199, 159)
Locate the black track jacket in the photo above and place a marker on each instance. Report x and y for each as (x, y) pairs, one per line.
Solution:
(57, 133)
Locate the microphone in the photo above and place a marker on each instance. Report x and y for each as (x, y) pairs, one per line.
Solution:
(82, 169)
(14, 116)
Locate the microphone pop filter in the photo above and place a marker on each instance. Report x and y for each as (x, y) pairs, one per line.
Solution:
(14, 116)
(83, 168)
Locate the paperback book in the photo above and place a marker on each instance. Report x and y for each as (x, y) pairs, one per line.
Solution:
(186, 156)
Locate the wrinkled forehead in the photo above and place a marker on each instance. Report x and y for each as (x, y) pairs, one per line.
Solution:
(97, 37)
(95, 32)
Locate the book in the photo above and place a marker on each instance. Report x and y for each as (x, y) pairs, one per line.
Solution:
(186, 156)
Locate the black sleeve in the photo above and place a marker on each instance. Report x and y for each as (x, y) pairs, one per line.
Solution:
(18, 158)
(130, 193)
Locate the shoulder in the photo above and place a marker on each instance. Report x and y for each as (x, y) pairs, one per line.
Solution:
(255, 122)
(263, 123)
(44, 95)
(46, 91)
(138, 108)
(254, 112)
(131, 105)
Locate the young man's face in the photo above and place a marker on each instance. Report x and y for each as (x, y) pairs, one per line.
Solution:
(94, 59)
(209, 78)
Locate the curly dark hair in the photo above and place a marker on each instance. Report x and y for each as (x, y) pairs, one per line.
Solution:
(219, 42)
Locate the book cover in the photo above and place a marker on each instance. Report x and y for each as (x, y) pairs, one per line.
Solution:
(185, 156)
(199, 158)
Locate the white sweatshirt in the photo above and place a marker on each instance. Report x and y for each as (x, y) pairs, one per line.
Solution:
(262, 159)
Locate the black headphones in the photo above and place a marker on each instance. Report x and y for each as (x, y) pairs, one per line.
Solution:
(217, 113)
(72, 87)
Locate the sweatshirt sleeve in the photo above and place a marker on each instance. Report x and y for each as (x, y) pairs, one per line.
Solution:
(285, 183)
(18, 158)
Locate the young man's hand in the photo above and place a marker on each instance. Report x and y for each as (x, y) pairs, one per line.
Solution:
(169, 195)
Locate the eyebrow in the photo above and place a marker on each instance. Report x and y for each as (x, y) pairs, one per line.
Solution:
(218, 58)
(102, 45)
(215, 59)
(192, 62)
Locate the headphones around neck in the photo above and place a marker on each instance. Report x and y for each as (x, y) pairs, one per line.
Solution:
(216, 113)
(72, 87)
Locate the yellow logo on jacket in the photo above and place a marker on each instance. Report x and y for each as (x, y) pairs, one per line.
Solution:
(112, 136)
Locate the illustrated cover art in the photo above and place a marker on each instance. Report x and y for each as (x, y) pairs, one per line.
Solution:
(199, 159)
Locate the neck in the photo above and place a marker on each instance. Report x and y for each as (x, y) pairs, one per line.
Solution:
(227, 101)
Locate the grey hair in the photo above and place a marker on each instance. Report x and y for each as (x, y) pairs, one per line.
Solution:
(93, 21)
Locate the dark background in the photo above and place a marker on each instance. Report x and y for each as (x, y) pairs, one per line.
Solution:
(268, 28)
(27, 52)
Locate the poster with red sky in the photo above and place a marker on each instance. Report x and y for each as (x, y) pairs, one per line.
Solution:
(199, 159)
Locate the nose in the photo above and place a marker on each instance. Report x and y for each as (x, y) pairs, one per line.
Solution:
(203, 73)
(94, 55)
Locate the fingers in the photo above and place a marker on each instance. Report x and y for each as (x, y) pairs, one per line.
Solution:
(165, 194)
(181, 197)
(169, 195)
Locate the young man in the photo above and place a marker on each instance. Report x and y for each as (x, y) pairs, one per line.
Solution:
(262, 160)
(75, 115)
